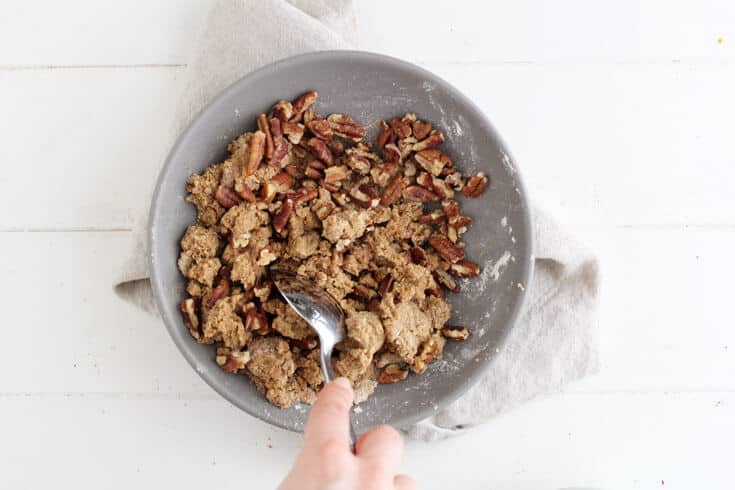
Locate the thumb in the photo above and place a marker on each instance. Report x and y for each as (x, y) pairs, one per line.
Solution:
(329, 420)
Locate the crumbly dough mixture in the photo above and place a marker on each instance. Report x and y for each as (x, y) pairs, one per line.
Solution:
(377, 226)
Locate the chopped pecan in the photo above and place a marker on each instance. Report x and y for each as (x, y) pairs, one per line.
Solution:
(434, 139)
(283, 181)
(446, 248)
(265, 127)
(294, 131)
(385, 135)
(455, 332)
(402, 129)
(245, 193)
(459, 221)
(282, 110)
(424, 179)
(280, 146)
(256, 151)
(227, 197)
(320, 128)
(441, 188)
(418, 256)
(435, 291)
(302, 195)
(464, 268)
(268, 191)
(435, 216)
(405, 146)
(231, 361)
(432, 160)
(313, 173)
(391, 153)
(358, 163)
(190, 311)
(302, 103)
(222, 288)
(418, 193)
(410, 169)
(450, 208)
(308, 343)
(475, 185)
(386, 358)
(293, 170)
(431, 349)
(332, 186)
(445, 280)
(340, 198)
(321, 151)
(393, 190)
(382, 173)
(392, 373)
(454, 179)
(345, 127)
(335, 174)
(363, 292)
(255, 321)
(282, 215)
(385, 284)
(364, 196)
(421, 129)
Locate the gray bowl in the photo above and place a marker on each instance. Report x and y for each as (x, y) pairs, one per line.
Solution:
(368, 87)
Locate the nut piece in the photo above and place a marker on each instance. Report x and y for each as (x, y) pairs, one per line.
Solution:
(335, 174)
(222, 288)
(446, 248)
(393, 190)
(475, 185)
(302, 103)
(434, 217)
(294, 131)
(418, 256)
(320, 128)
(308, 343)
(385, 284)
(231, 361)
(435, 291)
(432, 160)
(282, 110)
(434, 139)
(441, 188)
(431, 349)
(364, 196)
(455, 332)
(391, 153)
(320, 150)
(444, 279)
(266, 129)
(450, 208)
(421, 129)
(257, 149)
(358, 163)
(392, 373)
(424, 179)
(401, 129)
(255, 321)
(245, 193)
(464, 268)
(227, 197)
(283, 181)
(363, 292)
(385, 135)
(189, 309)
(418, 193)
(280, 146)
(282, 215)
(346, 127)
(303, 195)
(268, 191)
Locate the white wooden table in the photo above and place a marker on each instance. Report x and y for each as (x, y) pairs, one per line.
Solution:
(621, 115)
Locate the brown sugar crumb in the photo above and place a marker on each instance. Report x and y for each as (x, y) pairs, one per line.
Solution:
(379, 229)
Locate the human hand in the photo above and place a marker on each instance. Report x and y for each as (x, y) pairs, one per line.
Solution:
(326, 462)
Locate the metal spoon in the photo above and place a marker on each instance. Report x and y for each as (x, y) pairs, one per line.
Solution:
(321, 311)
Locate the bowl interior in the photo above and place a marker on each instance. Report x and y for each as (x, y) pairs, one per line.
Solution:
(369, 88)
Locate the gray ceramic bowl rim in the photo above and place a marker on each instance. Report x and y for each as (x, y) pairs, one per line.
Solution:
(170, 323)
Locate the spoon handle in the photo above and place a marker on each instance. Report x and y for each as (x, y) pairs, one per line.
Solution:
(329, 375)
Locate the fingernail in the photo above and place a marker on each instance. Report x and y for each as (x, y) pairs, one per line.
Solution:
(343, 382)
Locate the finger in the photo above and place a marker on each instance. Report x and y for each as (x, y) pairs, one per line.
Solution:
(382, 445)
(404, 482)
(329, 420)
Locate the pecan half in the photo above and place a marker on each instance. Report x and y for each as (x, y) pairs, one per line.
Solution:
(432, 160)
(280, 146)
(464, 268)
(445, 280)
(294, 131)
(231, 361)
(227, 197)
(393, 190)
(265, 127)
(421, 129)
(190, 311)
(385, 135)
(446, 248)
(222, 288)
(256, 151)
(418, 193)
(475, 185)
(302, 103)
(282, 215)
(320, 150)
(455, 332)
(346, 127)
(418, 256)
(434, 139)
(392, 373)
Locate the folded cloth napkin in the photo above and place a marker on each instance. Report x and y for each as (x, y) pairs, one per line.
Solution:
(553, 343)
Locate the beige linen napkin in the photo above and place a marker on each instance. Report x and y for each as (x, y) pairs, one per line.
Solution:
(554, 342)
